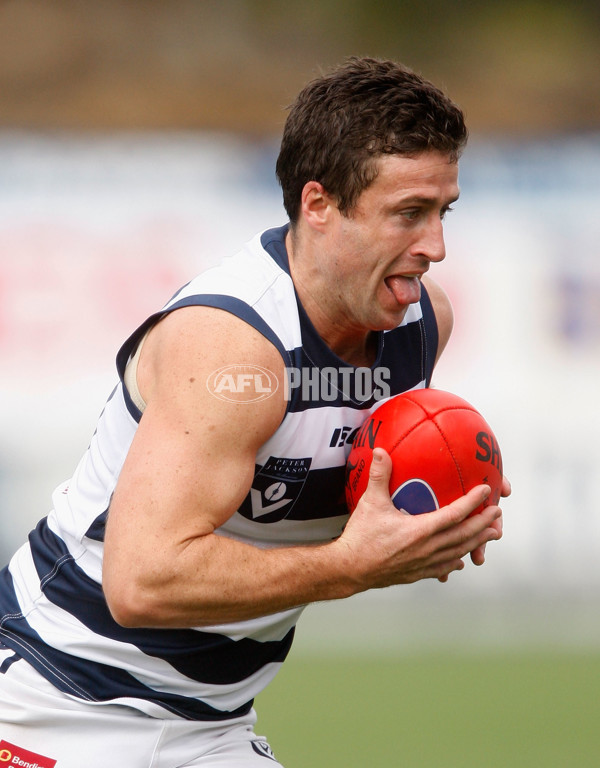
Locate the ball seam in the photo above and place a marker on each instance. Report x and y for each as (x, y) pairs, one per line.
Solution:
(449, 447)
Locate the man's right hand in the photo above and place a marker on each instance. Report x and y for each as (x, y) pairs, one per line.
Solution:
(388, 546)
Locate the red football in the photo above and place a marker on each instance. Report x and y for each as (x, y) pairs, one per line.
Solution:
(440, 446)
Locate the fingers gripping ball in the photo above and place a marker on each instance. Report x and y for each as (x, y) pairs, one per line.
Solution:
(440, 447)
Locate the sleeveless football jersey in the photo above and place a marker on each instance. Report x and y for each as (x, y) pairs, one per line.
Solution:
(52, 608)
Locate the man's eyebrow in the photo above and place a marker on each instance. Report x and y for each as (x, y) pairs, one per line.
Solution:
(425, 198)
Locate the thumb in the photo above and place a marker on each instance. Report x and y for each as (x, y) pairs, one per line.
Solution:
(379, 475)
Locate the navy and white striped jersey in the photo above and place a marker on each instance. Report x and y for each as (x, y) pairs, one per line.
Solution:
(52, 609)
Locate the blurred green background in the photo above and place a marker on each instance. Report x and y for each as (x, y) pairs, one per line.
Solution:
(436, 709)
(501, 667)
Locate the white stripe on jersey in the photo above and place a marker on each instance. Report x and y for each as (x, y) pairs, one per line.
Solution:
(50, 621)
(282, 532)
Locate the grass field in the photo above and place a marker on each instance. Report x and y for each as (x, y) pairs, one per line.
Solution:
(509, 710)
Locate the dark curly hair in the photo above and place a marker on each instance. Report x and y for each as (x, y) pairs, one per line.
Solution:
(343, 121)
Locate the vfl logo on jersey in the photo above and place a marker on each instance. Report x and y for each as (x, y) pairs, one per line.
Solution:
(275, 489)
(263, 749)
(415, 497)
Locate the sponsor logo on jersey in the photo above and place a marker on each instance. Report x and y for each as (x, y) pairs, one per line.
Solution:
(263, 749)
(10, 754)
(343, 436)
(275, 489)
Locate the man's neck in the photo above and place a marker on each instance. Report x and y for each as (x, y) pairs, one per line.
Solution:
(359, 348)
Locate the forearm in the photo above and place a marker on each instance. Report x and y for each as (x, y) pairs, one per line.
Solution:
(214, 580)
(204, 578)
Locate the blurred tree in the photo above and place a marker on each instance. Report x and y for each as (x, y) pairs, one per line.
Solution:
(517, 67)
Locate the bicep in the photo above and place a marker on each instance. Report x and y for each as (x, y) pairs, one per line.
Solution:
(178, 477)
(192, 459)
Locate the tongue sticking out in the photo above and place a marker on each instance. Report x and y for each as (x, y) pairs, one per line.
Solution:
(406, 290)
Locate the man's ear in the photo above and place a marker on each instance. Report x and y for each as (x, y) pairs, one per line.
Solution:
(316, 205)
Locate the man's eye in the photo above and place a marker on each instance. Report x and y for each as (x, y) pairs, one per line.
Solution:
(411, 214)
(444, 211)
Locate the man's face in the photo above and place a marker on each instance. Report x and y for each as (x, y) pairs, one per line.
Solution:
(378, 253)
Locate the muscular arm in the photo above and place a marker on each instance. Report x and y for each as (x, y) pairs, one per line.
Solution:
(190, 465)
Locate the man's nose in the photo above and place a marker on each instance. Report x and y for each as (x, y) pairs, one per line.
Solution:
(432, 244)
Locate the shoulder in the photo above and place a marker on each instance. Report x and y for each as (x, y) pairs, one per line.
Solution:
(442, 309)
(184, 354)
